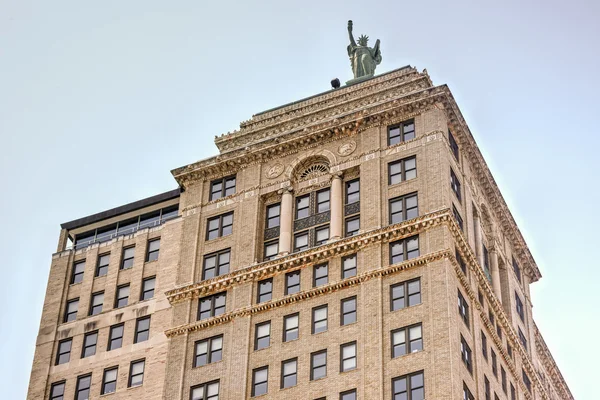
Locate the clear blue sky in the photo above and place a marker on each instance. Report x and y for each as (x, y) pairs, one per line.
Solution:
(100, 100)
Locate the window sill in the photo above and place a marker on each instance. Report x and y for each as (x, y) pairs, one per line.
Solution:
(151, 261)
(264, 348)
(206, 365)
(214, 240)
(404, 308)
(395, 185)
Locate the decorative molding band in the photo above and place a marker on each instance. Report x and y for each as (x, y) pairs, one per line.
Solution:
(550, 365)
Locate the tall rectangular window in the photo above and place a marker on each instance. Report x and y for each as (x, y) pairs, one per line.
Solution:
(219, 226)
(57, 391)
(71, 310)
(136, 373)
(348, 356)
(63, 354)
(460, 261)
(407, 340)
(96, 303)
(463, 308)
(455, 184)
(302, 206)
(320, 275)
(153, 250)
(115, 337)
(484, 345)
(526, 380)
(290, 327)
(323, 200)
(271, 250)
(404, 249)
(467, 395)
(349, 266)
(142, 329)
(494, 363)
(82, 390)
(300, 241)
(222, 188)
(513, 392)
(216, 264)
(102, 266)
(205, 391)
(503, 378)
(90, 340)
(109, 380)
(519, 306)
(77, 274)
(321, 235)
(348, 311)
(352, 226)
(262, 335)
(122, 296)
(319, 319)
(318, 365)
(457, 217)
(211, 306)
(348, 395)
(522, 338)
(486, 388)
(292, 282)
(265, 290)
(128, 256)
(401, 132)
(260, 377)
(516, 269)
(273, 215)
(403, 208)
(466, 356)
(208, 351)
(409, 387)
(148, 285)
(402, 170)
(405, 294)
(289, 373)
(352, 191)
(453, 145)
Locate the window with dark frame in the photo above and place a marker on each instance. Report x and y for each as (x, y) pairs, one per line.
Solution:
(467, 395)
(115, 337)
(406, 340)
(291, 327)
(292, 282)
(509, 350)
(109, 380)
(453, 145)
(301, 241)
(128, 257)
(460, 261)
(455, 184)
(148, 285)
(484, 345)
(319, 319)
(401, 132)
(352, 191)
(136, 373)
(211, 306)
(348, 357)
(463, 308)
(77, 274)
(486, 388)
(457, 217)
(320, 275)
(142, 329)
(153, 250)
(503, 378)
(262, 335)
(480, 298)
(63, 353)
(205, 391)
(486, 261)
(82, 391)
(494, 363)
(90, 340)
(271, 250)
(57, 391)
(513, 392)
(318, 365)
(516, 269)
(219, 226)
(321, 235)
(499, 331)
(466, 355)
(519, 307)
(491, 317)
(403, 208)
(208, 351)
(352, 226)
(348, 311)
(522, 338)
(102, 265)
(402, 170)
(122, 296)
(265, 290)
(404, 249)
(222, 188)
(216, 264)
(349, 266)
(348, 395)
(323, 200)
(526, 380)
(409, 387)
(260, 378)
(302, 206)
(96, 303)
(273, 215)
(405, 294)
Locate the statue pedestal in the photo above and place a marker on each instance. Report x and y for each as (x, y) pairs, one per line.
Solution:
(359, 79)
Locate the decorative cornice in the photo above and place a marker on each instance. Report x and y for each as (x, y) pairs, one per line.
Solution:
(550, 366)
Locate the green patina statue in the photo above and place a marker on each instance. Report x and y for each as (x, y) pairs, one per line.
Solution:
(364, 59)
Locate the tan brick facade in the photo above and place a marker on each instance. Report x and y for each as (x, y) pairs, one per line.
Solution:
(296, 150)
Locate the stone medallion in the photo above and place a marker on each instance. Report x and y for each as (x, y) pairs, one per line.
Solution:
(347, 148)
(275, 171)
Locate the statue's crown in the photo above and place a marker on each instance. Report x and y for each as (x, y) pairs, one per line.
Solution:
(363, 39)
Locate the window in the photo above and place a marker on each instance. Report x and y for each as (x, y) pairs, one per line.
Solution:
(348, 395)
(522, 338)
(323, 202)
(455, 184)
(115, 337)
(404, 249)
(136, 373)
(484, 345)
(292, 282)
(57, 391)
(453, 145)
(89, 344)
(320, 275)
(400, 300)
(318, 365)
(216, 264)
(526, 381)
(222, 188)
(503, 378)
(348, 357)
(402, 170)
(260, 377)
(465, 352)
(352, 226)
(109, 381)
(519, 306)
(82, 391)
(102, 267)
(352, 191)
(122, 297)
(265, 290)
(205, 391)
(271, 250)
(348, 311)
(492, 318)
(496, 396)
(517, 269)
(77, 275)
(63, 354)
(349, 266)
(499, 331)
(96, 303)
(457, 217)
(302, 206)
(486, 387)
(290, 327)
(319, 319)
(322, 235)
(463, 308)
(480, 298)
(467, 395)
(409, 387)
(509, 350)
(262, 335)
(142, 329)
(153, 250)
(460, 261)
(148, 288)
(401, 132)
(71, 310)
(221, 225)
(486, 262)
(128, 255)
(208, 351)
(301, 241)
(513, 392)
(273, 215)
(211, 306)
(403, 208)
(494, 363)
(407, 340)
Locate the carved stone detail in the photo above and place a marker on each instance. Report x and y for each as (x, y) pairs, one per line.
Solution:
(347, 148)
(275, 170)
(271, 233)
(353, 208)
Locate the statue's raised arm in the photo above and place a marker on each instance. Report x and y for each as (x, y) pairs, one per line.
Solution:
(364, 59)
(352, 42)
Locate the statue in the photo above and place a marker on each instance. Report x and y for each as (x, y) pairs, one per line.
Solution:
(364, 59)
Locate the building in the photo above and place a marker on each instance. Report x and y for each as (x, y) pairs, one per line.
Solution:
(321, 255)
